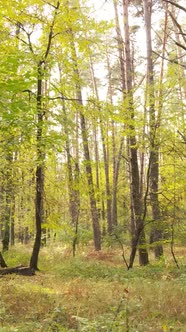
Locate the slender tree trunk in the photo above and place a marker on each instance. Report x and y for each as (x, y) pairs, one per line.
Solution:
(39, 212)
(94, 210)
(120, 44)
(156, 233)
(107, 180)
(88, 167)
(8, 193)
(116, 169)
(76, 195)
(73, 183)
(12, 223)
(134, 168)
(117, 156)
(2, 261)
(98, 180)
(105, 158)
(39, 200)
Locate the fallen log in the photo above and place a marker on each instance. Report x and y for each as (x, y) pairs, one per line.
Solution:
(21, 270)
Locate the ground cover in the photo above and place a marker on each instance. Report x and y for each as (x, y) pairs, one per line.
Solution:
(92, 293)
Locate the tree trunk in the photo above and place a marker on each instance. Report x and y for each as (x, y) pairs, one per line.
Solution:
(39, 213)
(120, 43)
(98, 180)
(39, 200)
(107, 180)
(115, 183)
(134, 168)
(2, 261)
(94, 211)
(73, 183)
(88, 167)
(156, 233)
(8, 191)
(105, 158)
(117, 156)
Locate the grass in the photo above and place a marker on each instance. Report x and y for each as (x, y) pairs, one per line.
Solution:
(92, 293)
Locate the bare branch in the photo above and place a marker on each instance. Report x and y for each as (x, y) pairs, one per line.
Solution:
(175, 4)
(180, 45)
(123, 251)
(178, 25)
(182, 136)
(170, 60)
(30, 43)
(50, 4)
(64, 98)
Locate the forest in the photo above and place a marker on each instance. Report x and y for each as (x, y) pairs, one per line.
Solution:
(93, 165)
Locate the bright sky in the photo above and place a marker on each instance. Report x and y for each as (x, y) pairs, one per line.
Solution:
(104, 9)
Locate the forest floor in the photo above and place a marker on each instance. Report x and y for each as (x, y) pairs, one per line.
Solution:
(93, 293)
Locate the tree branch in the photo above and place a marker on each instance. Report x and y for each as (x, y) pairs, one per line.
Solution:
(175, 4)
(51, 31)
(183, 136)
(180, 45)
(170, 60)
(178, 25)
(50, 4)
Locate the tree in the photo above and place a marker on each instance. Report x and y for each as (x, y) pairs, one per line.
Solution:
(156, 233)
(137, 203)
(94, 210)
(41, 71)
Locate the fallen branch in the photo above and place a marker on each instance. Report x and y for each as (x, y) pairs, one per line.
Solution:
(21, 270)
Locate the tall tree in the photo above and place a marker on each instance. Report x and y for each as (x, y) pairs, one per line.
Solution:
(156, 233)
(41, 68)
(117, 157)
(88, 167)
(105, 154)
(137, 203)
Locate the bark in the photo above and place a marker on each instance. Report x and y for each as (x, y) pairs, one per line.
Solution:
(97, 161)
(12, 224)
(94, 210)
(88, 167)
(134, 167)
(105, 158)
(156, 233)
(117, 157)
(39, 213)
(115, 164)
(73, 183)
(115, 183)
(120, 44)
(8, 191)
(76, 208)
(107, 180)
(2, 261)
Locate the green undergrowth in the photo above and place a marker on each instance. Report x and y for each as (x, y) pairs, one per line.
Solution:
(91, 293)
